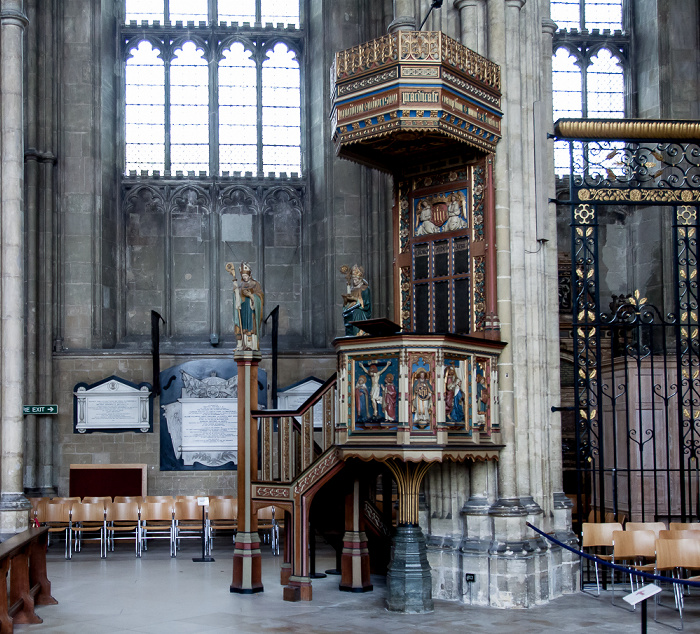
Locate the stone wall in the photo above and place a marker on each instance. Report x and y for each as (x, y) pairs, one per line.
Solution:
(144, 448)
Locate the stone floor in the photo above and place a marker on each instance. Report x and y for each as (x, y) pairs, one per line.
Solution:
(158, 594)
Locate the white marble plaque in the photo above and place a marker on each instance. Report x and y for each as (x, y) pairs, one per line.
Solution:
(113, 405)
(209, 431)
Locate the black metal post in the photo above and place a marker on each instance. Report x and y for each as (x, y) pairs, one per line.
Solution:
(644, 616)
(155, 349)
(204, 557)
(275, 314)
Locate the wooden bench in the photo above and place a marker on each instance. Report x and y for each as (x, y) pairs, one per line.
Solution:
(24, 557)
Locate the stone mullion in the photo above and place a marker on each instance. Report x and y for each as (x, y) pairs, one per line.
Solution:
(258, 78)
(13, 504)
(166, 82)
(213, 109)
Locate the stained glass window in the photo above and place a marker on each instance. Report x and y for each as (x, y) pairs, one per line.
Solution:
(281, 112)
(588, 68)
(145, 109)
(225, 98)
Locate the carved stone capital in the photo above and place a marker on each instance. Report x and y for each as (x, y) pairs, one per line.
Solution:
(549, 26)
(12, 17)
(402, 23)
(518, 4)
(462, 4)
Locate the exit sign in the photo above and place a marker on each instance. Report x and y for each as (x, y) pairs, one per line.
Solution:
(40, 409)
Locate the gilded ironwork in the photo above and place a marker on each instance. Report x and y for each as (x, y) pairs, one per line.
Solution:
(639, 195)
(633, 171)
(614, 129)
(637, 367)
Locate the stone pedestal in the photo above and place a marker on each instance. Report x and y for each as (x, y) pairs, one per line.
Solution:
(408, 580)
(247, 578)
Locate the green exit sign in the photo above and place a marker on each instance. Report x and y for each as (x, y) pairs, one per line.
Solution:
(40, 409)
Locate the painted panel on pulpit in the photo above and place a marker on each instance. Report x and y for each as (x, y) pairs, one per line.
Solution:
(422, 391)
(441, 212)
(482, 380)
(374, 390)
(199, 415)
(458, 410)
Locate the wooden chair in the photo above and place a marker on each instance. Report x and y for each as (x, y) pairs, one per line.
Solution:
(684, 526)
(633, 548)
(673, 555)
(221, 517)
(103, 499)
(646, 526)
(160, 499)
(598, 536)
(188, 522)
(87, 523)
(121, 499)
(68, 501)
(157, 523)
(57, 518)
(679, 534)
(122, 524)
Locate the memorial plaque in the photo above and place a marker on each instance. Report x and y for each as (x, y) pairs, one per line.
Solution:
(199, 411)
(112, 405)
(295, 395)
(209, 430)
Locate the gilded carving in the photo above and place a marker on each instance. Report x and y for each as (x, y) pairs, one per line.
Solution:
(639, 195)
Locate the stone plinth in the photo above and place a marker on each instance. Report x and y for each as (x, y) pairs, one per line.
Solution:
(408, 580)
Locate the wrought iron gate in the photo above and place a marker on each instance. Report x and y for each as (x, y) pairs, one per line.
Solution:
(637, 365)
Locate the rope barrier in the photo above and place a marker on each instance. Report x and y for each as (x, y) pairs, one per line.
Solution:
(629, 571)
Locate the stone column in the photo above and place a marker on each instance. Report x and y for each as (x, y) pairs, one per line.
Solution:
(472, 15)
(13, 504)
(408, 579)
(31, 174)
(247, 576)
(404, 16)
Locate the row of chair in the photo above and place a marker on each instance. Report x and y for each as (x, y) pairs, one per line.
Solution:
(646, 547)
(140, 522)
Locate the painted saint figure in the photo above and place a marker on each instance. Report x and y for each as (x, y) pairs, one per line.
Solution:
(376, 391)
(426, 225)
(482, 398)
(389, 399)
(422, 405)
(361, 399)
(454, 397)
(357, 302)
(248, 300)
(455, 220)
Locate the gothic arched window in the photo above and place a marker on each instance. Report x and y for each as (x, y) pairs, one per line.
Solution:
(212, 87)
(589, 64)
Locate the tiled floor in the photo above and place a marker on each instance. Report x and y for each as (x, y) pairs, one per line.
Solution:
(157, 594)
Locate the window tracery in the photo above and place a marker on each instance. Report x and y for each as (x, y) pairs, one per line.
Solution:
(590, 64)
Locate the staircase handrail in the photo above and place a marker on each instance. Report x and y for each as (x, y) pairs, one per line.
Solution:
(314, 399)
